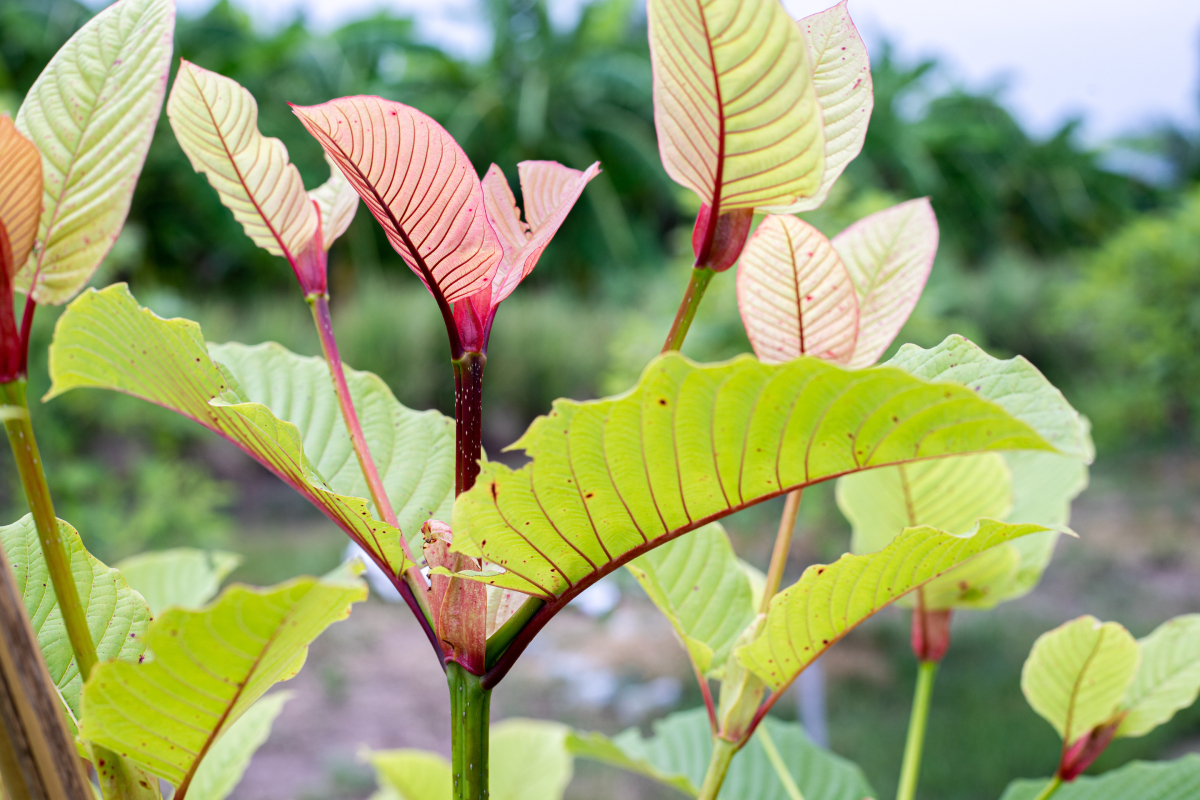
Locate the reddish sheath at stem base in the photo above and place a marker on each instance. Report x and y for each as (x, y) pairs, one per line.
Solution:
(930, 632)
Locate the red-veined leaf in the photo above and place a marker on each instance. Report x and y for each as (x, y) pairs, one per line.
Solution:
(418, 183)
(889, 255)
(20, 194)
(842, 76)
(736, 112)
(337, 202)
(215, 120)
(795, 295)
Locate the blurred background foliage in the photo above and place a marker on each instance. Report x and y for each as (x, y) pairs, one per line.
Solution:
(1084, 259)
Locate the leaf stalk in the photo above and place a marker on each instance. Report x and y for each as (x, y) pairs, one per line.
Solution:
(1050, 788)
(413, 586)
(697, 285)
(910, 768)
(468, 413)
(37, 492)
(783, 545)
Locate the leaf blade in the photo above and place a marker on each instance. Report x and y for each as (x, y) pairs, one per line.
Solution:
(215, 120)
(91, 114)
(222, 768)
(1145, 780)
(209, 667)
(795, 296)
(842, 77)
(1168, 679)
(419, 185)
(1077, 674)
(182, 576)
(807, 618)
(889, 255)
(20, 193)
(735, 109)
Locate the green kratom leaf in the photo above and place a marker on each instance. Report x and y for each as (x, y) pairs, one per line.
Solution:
(689, 444)
(528, 760)
(735, 108)
(412, 774)
(807, 618)
(702, 589)
(206, 669)
(1013, 384)
(1138, 780)
(842, 77)
(117, 615)
(413, 450)
(92, 114)
(105, 340)
(1077, 674)
(1169, 676)
(677, 755)
(183, 576)
(223, 767)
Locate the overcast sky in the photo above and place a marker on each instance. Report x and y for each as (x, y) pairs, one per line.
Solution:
(1121, 63)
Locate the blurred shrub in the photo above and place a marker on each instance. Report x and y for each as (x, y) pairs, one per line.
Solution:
(1133, 317)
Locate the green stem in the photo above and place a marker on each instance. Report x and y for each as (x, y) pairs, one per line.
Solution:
(911, 768)
(783, 545)
(469, 716)
(723, 753)
(687, 307)
(1050, 789)
(781, 770)
(37, 492)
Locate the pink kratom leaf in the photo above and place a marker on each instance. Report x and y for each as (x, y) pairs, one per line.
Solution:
(889, 255)
(550, 191)
(418, 183)
(20, 194)
(842, 77)
(795, 295)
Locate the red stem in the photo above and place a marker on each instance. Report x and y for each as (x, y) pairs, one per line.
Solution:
(26, 326)
(414, 581)
(468, 412)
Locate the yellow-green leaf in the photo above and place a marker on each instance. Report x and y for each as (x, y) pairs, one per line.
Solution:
(20, 195)
(703, 590)
(183, 576)
(1077, 674)
(117, 615)
(222, 768)
(735, 108)
(105, 340)
(91, 114)
(612, 478)
(1167, 680)
(206, 669)
(808, 617)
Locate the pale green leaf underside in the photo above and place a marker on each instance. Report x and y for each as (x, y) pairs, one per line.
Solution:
(677, 755)
(951, 494)
(215, 121)
(105, 340)
(117, 615)
(528, 760)
(1138, 780)
(183, 576)
(1169, 676)
(223, 767)
(842, 77)
(1077, 674)
(206, 669)
(92, 114)
(689, 444)
(702, 589)
(807, 618)
(735, 108)
(413, 450)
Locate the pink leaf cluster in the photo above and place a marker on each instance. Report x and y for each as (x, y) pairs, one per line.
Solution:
(464, 238)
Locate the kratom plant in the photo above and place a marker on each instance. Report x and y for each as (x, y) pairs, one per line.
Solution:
(956, 468)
